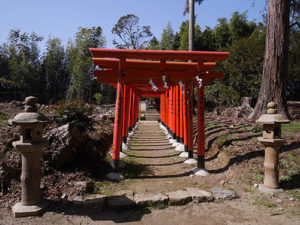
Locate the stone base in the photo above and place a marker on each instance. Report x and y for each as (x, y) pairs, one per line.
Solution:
(123, 155)
(115, 176)
(200, 172)
(125, 146)
(20, 210)
(175, 144)
(122, 164)
(190, 161)
(184, 155)
(172, 141)
(270, 191)
(180, 148)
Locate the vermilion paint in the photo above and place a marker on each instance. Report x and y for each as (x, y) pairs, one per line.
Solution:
(185, 121)
(200, 122)
(177, 113)
(174, 112)
(190, 121)
(117, 123)
(181, 114)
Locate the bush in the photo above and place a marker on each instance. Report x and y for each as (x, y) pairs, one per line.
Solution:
(75, 113)
(98, 97)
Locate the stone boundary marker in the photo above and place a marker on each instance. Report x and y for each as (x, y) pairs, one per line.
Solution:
(127, 199)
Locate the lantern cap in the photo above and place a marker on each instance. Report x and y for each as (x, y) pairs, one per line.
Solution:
(30, 116)
(271, 117)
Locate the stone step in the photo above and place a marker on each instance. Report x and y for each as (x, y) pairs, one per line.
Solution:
(151, 144)
(153, 148)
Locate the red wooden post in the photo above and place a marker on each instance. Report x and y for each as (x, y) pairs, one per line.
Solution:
(130, 110)
(161, 108)
(124, 134)
(174, 112)
(177, 114)
(181, 114)
(118, 119)
(171, 110)
(185, 121)
(137, 109)
(200, 121)
(167, 110)
(190, 120)
(121, 117)
(127, 112)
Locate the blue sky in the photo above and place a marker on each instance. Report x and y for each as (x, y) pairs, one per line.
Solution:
(61, 18)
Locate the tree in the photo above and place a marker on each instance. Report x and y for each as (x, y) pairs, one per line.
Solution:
(24, 64)
(190, 7)
(80, 62)
(153, 44)
(222, 34)
(54, 68)
(275, 69)
(239, 27)
(243, 68)
(184, 36)
(206, 41)
(167, 37)
(131, 35)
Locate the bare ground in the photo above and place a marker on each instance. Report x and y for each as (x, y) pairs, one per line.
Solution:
(234, 159)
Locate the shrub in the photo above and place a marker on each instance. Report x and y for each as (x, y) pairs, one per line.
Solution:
(98, 97)
(75, 113)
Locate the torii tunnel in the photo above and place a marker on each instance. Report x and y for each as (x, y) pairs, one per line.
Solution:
(168, 75)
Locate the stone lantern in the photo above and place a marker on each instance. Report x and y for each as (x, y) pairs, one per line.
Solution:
(30, 145)
(272, 141)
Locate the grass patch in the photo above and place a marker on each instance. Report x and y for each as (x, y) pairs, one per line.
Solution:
(296, 194)
(258, 176)
(256, 129)
(290, 164)
(264, 203)
(152, 206)
(228, 150)
(213, 125)
(108, 157)
(291, 127)
(3, 116)
(103, 187)
(251, 190)
(222, 141)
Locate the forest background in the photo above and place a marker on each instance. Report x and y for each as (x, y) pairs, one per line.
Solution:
(66, 72)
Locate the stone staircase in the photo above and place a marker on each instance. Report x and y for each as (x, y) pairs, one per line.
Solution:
(151, 115)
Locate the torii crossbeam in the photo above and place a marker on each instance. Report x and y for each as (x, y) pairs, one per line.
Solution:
(158, 74)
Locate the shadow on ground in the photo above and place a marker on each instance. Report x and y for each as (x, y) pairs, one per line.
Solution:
(117, 216)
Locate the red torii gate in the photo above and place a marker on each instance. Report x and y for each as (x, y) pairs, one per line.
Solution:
(135, 76)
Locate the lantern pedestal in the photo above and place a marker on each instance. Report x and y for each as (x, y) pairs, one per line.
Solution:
(30, 145)
(272, 141)
(20, 210)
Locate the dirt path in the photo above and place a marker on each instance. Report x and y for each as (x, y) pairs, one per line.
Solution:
(222, 213)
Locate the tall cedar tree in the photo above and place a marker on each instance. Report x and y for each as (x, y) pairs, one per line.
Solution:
(275, 69)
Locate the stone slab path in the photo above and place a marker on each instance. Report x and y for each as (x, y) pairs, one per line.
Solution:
(150, 147)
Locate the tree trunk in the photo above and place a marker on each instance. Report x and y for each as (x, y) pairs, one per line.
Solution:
(191, 24)
(274, 79)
